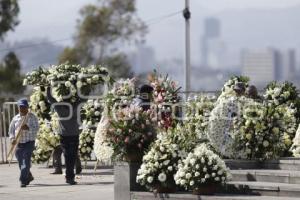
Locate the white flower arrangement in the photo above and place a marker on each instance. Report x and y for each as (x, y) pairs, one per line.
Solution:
(45, 143)
(159, 164)
(122, 93)
(227, 90)
(103, 151)
(165, 154)
(281, 93)
(86, 143)
(91, 113)
(39, 104)
(264, 131)
(220, 127)
(197, 114)
(68, 81)
(296, 144)
(202, 167)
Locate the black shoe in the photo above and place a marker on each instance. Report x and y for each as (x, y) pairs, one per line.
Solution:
(56, 172)
(71, 182)
(23, 185)
(31, 178)
(78, 170)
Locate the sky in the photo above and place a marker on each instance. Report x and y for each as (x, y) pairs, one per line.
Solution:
(56, 19)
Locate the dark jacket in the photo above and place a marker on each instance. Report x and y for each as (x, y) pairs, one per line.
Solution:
(69, 115)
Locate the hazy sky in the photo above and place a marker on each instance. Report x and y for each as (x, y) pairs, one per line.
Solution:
(56, 19)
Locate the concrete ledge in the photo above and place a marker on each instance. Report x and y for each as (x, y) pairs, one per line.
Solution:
(283, 163)
(187, 196)
(263, 188)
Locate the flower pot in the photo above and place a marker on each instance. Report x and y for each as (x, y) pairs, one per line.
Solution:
(133, 157)
(205, 190)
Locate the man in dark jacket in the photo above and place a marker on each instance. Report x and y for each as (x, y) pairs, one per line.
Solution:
(69, 131)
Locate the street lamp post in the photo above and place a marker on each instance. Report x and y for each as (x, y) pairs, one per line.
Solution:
(187, 16)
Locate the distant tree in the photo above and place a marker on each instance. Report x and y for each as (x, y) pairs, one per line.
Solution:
(100, 31)
(9, 10)
(10, 74)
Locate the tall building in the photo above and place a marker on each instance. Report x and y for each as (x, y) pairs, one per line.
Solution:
(212, 46)
(142, 59)
(263, 66)
(289, 64)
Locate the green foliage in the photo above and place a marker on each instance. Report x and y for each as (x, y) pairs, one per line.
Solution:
(9, 10)
(10, 75)
(100, 31)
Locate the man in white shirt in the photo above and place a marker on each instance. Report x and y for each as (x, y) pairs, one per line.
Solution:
(26, 143)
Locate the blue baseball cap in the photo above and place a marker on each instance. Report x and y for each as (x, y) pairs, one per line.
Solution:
(23, 103)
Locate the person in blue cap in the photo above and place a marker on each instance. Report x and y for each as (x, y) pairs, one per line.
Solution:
(25, 146)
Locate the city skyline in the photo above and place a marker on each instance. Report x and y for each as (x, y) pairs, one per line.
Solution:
(53, 22)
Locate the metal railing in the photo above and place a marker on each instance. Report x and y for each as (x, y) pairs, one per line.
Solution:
(7, 112)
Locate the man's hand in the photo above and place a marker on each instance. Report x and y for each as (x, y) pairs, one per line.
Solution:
(25, 127)
(13, 141)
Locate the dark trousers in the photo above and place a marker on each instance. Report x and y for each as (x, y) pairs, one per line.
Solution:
(23, 154)
(57, 165)
(69, 147)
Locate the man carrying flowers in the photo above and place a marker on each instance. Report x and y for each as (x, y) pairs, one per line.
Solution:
(28, 125)
(69, 131)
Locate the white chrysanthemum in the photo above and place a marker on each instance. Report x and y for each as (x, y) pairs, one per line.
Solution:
(79, 84)
(162, 177)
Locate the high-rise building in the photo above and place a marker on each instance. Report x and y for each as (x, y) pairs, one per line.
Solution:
(264, 66)
(212, 28)
(289, 64)
(142, 59)
(212, 46)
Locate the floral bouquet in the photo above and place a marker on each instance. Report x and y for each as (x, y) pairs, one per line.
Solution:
(37, 77)
(281, 120)
(296, 144)
(130, 133)
(165, 95)
(45, 143)
(202, 170)
(86, 143)
(220, 131)
(90, 116)
(91, 113)
(264, 131)
(159, 165)
(197, 112)
(228, 91)
(251, 138)
(103, 151)
(39, 104)
(69, 82)
(122, 93)
(285, 93)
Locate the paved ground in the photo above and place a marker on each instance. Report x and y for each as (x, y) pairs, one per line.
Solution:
(90, 186)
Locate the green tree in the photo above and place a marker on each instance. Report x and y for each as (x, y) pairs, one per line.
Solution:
(100, 31)
(10, 74)
(9, 10)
